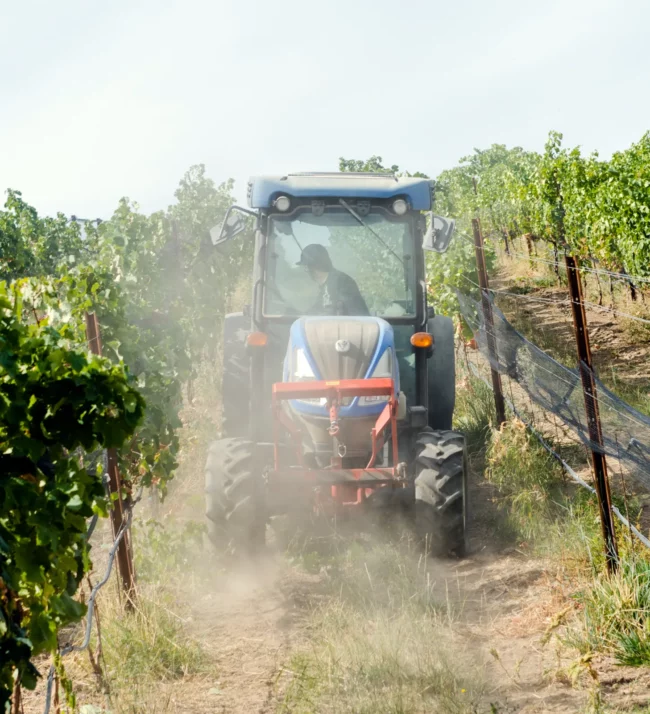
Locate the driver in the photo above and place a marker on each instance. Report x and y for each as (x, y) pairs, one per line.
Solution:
(338, 294)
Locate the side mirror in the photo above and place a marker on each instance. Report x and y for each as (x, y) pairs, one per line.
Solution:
(233, 224)
(438, 236)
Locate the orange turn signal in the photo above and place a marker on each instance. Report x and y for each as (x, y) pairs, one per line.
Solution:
(422, 339)
(257, 339)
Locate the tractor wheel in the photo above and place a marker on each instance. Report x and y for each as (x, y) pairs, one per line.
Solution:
(233, 497)
(442, 373)
(441, 492)
(235, 380)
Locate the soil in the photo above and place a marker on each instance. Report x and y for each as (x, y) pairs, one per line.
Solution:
(251, 620)
(255, 618)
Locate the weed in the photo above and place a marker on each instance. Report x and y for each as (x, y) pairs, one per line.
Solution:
(527, 476)
(545, 281)
(638, 331)
(381, 642)
(148, 644)
(474, 412)
(160, 550)
(615, 612)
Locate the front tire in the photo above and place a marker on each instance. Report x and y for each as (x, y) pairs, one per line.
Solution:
(441, 492)
(233, 497)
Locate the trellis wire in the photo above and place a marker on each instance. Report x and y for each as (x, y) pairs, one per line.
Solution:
(91, 600)
(625, 277)
(551, 301)
(567, 468)
(557, 389)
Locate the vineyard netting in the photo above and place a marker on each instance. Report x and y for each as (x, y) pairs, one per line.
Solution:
(558, 389)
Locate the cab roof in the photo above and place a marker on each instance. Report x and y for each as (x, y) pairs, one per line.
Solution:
(263, 190)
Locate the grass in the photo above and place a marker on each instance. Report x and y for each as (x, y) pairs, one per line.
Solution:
(561, 523)
(380, 640)
(543, 511)
(529, 480)
(146, 653)
(474, 413)
(615, 615)
(388, 666)
(148, 645)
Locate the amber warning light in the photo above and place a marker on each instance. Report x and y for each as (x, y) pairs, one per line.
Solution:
(422, 339)
(257, 339)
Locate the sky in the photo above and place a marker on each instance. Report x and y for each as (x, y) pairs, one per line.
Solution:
(100, 100)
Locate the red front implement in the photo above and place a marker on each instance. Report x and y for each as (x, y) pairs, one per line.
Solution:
(347, 486)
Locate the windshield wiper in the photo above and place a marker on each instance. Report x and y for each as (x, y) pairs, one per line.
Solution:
(352, 212)
(286, 228)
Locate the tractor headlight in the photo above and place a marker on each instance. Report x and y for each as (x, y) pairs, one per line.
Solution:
(303, 372)
(282, 203)
(400, 207)
(384, 368)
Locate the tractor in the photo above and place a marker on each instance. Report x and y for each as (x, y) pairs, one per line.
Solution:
(338, 378)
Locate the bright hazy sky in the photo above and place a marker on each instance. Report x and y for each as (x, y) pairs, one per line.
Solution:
(100, 100)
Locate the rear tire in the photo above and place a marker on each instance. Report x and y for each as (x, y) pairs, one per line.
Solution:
(233, 497)
(441, 492)
(442, 373)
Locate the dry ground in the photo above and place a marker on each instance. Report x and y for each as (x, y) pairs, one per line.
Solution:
(252, 618)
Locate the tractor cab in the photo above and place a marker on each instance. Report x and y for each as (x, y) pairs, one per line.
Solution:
(339, 346)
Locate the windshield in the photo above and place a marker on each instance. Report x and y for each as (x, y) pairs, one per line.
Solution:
(333, 265)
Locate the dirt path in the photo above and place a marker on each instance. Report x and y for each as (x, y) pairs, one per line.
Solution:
(249, 624)
(258, 616)
(255, 621)
(509, 604)
(253, 618)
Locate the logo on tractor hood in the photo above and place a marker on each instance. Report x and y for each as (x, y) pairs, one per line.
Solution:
(342, 346)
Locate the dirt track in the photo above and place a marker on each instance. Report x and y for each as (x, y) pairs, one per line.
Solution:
(251, 619)
(259, 615)
(509, 605)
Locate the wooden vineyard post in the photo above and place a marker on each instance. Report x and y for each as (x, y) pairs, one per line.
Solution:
(499, 402)
(125, 566)
(16, 699)
(598, 460)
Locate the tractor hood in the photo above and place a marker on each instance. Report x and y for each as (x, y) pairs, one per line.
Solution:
(337, 348)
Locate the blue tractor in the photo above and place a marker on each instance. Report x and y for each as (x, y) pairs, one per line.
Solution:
(339, 378)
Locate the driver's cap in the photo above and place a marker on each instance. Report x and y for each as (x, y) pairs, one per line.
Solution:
(316, 257)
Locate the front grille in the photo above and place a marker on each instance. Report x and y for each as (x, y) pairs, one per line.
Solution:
(322, 336)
